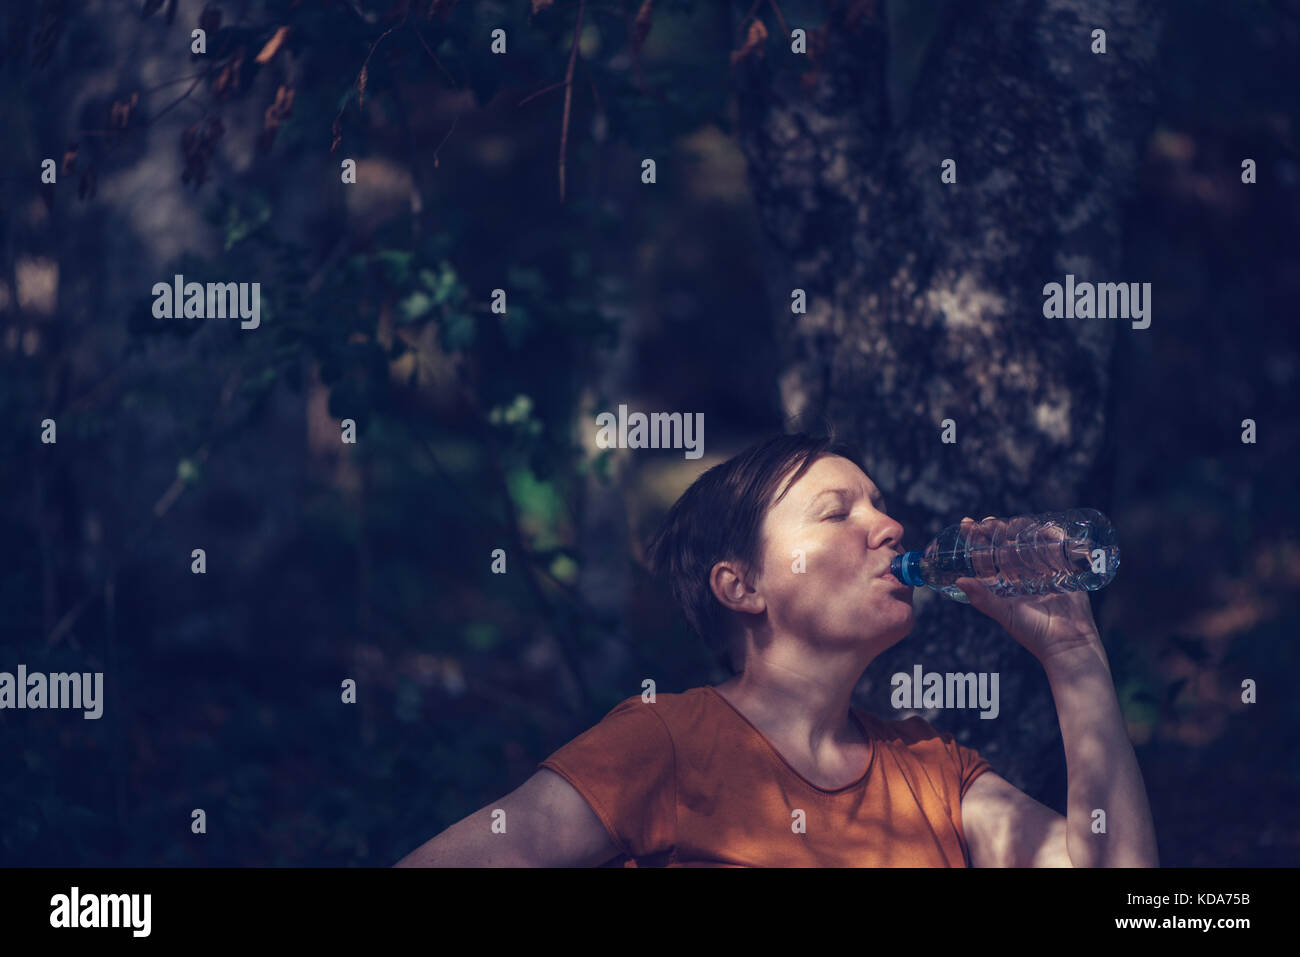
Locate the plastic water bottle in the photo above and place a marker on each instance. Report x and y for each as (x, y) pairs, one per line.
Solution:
(1073, 550)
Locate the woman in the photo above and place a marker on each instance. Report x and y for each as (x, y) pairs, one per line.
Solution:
(779, 559)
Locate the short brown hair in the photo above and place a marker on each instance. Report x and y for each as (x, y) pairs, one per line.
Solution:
(720, 518)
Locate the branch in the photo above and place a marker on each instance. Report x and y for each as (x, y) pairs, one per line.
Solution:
(361, 74)
(160, 508)
(419, 36)
(568, 92)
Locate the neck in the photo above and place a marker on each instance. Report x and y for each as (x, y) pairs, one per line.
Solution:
(803, 702)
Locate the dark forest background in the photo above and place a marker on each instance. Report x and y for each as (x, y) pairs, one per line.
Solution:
(523, 172)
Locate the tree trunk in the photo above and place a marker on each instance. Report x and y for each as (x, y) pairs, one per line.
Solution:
(925, 299)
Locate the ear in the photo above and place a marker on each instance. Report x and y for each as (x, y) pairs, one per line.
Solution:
(728, 586)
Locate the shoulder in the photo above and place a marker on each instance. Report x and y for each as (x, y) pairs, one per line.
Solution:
(676, 713)
(921, 740)
(662, 714)
(672, 720)
(909, 732)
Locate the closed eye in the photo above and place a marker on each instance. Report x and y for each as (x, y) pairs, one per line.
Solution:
(836, 517)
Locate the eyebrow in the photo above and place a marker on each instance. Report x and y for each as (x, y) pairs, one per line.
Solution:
(876, 499)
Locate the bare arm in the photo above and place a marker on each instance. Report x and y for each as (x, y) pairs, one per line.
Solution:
(1005, 827)
(1102, 768)
(1059, 630)
(547, 824)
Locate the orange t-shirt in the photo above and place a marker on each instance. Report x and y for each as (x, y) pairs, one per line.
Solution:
(689, 782)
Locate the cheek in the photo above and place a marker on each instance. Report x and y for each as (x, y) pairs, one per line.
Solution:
(832, 556)
(812, 568)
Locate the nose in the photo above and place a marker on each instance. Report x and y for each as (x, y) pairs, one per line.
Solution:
(888, 533)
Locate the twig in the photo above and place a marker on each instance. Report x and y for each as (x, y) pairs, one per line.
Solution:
(179, 79)
(419, 36)
(568, 645)
(465, 496)
(780, 19)
(569, 650)
(454, 120)
(546, 89)
(455, 86)
(568, 92)
(355, 83)
(106, 131)
(592, 81)
(163, 112)
(160, 508)
(749, 16)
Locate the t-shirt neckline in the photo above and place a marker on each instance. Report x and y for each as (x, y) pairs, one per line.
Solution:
(871, 746)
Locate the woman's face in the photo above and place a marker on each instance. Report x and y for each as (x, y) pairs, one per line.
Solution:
(826, 553)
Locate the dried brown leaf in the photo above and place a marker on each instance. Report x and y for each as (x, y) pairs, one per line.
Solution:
(276, 114)
(753, 42)
(272, 45)
(361, 85)
(198, 143)
(121, 111)
(69, 158)
(221, 82)
(225, 82)
(49, 26)
(641, 25)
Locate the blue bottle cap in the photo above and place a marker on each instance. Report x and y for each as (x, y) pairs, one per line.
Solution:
(907, 568)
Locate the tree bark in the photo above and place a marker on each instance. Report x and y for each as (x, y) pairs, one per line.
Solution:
(925, 299)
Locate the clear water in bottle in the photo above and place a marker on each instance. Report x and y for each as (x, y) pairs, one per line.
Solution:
(1074, 550)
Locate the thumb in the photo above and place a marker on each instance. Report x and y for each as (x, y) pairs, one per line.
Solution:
(976, 591)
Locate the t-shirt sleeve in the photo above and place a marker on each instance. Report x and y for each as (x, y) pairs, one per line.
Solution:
(625, 768)
(966, 764)
(969, 763)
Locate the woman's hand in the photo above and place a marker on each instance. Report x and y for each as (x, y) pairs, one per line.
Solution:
(1048, 626)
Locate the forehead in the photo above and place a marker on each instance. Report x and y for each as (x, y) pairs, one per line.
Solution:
(828, 472)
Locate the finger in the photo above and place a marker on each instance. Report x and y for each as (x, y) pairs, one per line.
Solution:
(975, 591)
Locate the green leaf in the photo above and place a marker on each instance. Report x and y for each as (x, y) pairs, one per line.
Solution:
(241, 225)
(445, 284)
(398, 264)
(414, 306)
(188, 471)
(565, 569)
(482, 636)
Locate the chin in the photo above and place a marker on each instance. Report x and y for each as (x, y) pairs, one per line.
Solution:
(898, 622)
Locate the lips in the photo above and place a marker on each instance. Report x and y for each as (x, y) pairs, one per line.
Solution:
(885, 572)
